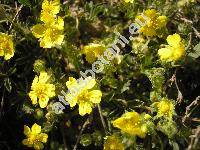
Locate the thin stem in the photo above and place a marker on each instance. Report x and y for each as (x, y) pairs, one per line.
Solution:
(2, 102)
(160, 141)
(102, 119)
(79, 136)
(180, 95)
(63, 136)
(17, 13)
(189, 43)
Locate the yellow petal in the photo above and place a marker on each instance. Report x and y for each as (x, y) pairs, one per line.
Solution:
(51, 90)
(43, 102)
(84, 108)
(52, 7)
(165, 54)
(8, 56)
(38, 30)
(35, 129)
(26, 142)
(59, 39)
(47, 18)
(151, 13)
(33, 97)
(38, 145)
(60, 23)
(27, 130)
(174, 40)
(1, 52)
(162, 20)
(43, 78)
(127, 1)
(90, 83)
(71, 99)
(35, 81)
(95, 96)
(72, 82)
(43, 137)
(134, 117)
(46, 41)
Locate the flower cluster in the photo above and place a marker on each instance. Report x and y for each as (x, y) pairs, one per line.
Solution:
(133, 123)
(113, 143)
(50, 32)
(174, 51)
(82, 93)
(154, 23)
(41, 90)
(35, 138)
(6, 46)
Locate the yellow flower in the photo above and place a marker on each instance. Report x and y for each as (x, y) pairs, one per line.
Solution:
(113, 143)
(50, 34)
(174, 51)
(6, 46)
(92, 51)
(41, 90)
(165, 108)
(81, 93)
(129, 1)
(35, 138)
(153, 23)
(50, 8)
(132, 123)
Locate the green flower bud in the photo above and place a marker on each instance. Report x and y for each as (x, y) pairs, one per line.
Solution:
(86, 140)
(97, 137)
(39, 66)
(38, 113)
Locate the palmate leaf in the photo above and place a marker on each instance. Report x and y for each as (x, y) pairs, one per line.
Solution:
(196, 53)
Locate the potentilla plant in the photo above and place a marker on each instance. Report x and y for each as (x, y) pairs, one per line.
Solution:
(111, 75)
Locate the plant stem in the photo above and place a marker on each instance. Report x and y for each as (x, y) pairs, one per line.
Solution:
(102, 119)
(63, 136)
(79, 136)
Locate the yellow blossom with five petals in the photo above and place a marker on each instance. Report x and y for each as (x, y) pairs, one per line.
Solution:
(50, 35)
(92, 51)
(81, 93)
(41, 90)
(132, 123)
(35, 138)
(6, 46)
(174, 51)
(152, 23)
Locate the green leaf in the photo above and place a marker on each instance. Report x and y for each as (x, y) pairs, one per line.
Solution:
(126, 86)
(25, 2)
(196, 53)
(8, 84)
(174, 145)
